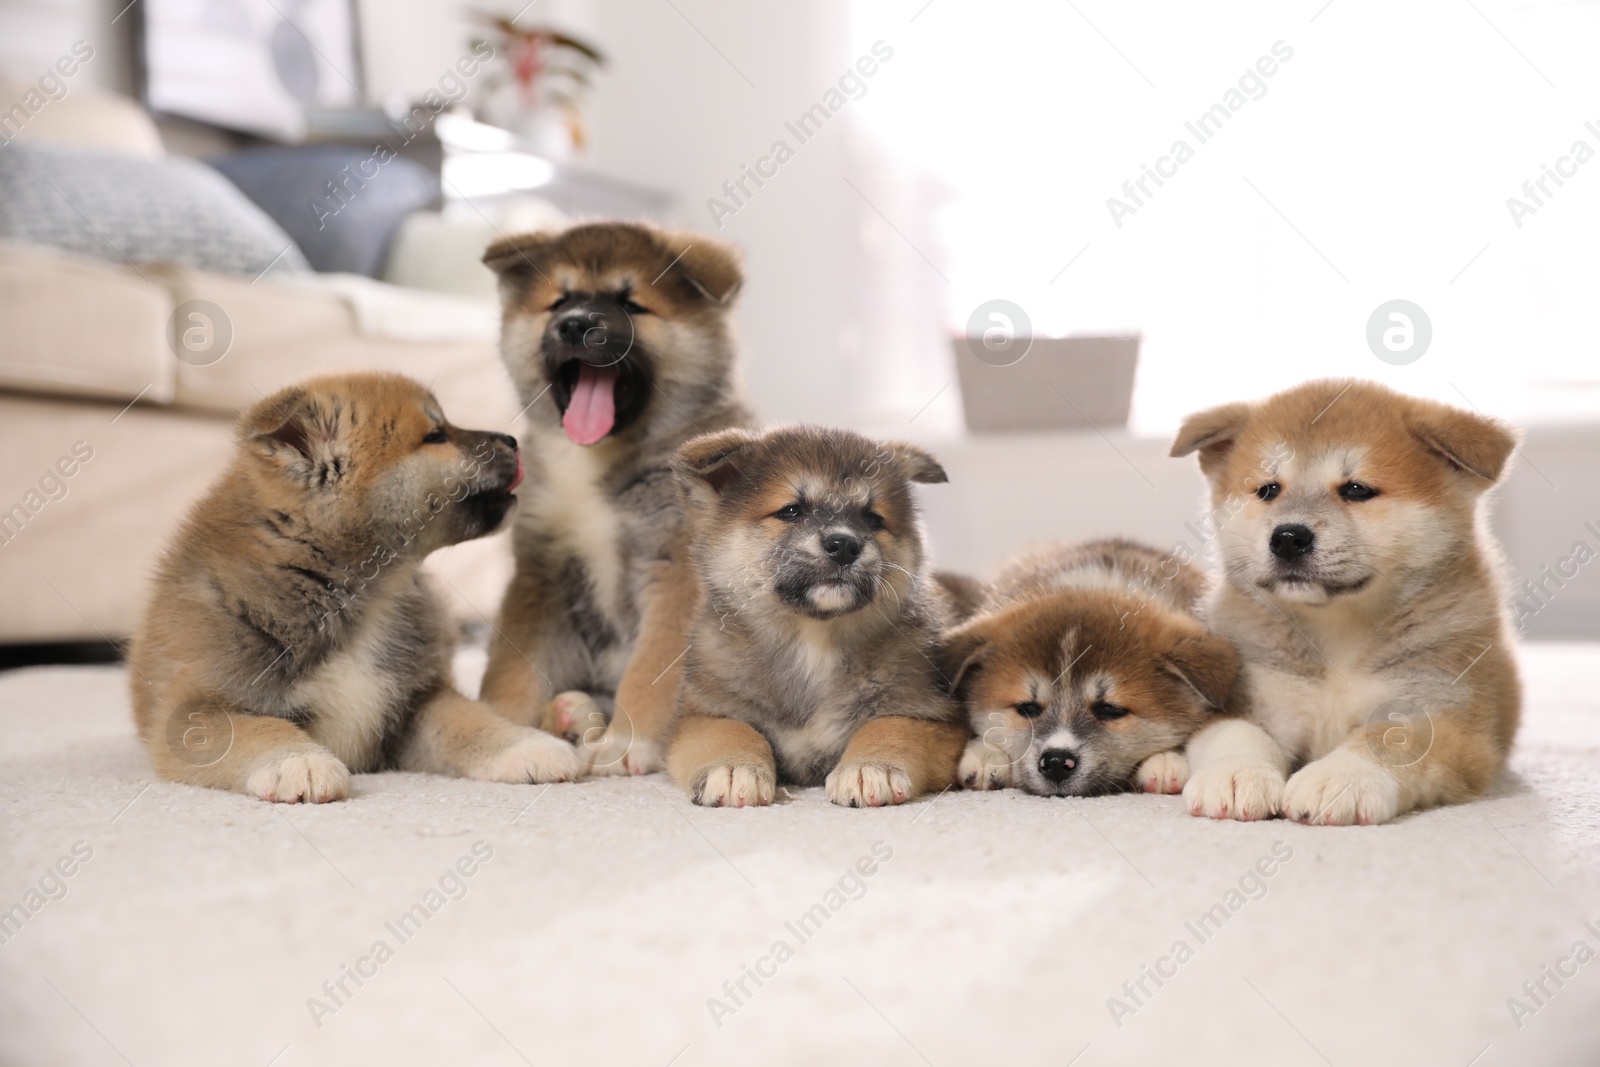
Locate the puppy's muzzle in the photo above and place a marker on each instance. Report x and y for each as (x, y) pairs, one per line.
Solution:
(590, 333)
(1058, 764)
(1291, 541)
(841, 548)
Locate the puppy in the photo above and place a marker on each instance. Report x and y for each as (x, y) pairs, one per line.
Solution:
(290, 637)
(1363, 589)
(812, 658)
(619, 340)
(1084, 669)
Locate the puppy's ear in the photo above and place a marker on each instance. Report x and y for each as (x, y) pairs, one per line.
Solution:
(1470, 443)
(916, 464)
(961, 655)
(298, 434)
(1211, 433)
(710, 266)
(1205, 663)
(520, 258)
(708, 464)
(963, 595)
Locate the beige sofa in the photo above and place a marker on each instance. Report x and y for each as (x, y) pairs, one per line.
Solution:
(106, 436)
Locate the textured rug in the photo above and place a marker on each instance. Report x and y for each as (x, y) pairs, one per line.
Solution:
(430, 921)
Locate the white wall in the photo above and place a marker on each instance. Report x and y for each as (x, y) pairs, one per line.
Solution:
(675, 114)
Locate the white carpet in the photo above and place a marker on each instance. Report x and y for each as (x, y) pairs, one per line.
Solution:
(612, 910)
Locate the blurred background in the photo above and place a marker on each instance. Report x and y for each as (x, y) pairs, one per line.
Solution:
(1030, 235)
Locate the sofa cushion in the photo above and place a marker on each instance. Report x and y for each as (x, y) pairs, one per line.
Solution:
(125, 209)
(340, 204)
(283, 332)
(80, 327)
(84, 116)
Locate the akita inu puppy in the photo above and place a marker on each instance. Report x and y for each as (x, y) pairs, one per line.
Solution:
(1363, 588)
(620, 341)
(812, 659)
(1085, 670)
(290, 636)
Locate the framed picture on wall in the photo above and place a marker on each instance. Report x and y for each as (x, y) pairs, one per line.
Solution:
(253, 66)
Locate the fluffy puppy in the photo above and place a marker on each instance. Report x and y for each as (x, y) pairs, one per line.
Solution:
(1084, 669)
(290, 637)
(812, 657)
(1363, 588)
(619, 340)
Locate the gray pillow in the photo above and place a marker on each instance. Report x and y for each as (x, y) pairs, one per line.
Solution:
(118, 208)
(349, 228)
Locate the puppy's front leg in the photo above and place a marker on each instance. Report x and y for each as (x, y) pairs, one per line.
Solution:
(1387, 769)
(461, 737)
(984, 766)
(1235, 772)
(200, 742)
(512, 685)
(647, 692)
(893, 758)
(1165, 772)
(722, 762)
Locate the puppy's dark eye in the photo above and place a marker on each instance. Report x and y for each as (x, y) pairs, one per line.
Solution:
(873, 520)
(1269, 491)
(1106, 712)
(436, 436)
(790, 512)
(561, 301)
(1355, 492)
(633, 307)
(1029, 709)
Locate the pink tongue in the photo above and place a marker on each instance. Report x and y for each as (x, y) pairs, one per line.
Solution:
(593, 409)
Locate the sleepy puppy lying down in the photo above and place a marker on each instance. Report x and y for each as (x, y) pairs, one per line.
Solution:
(1085, 670)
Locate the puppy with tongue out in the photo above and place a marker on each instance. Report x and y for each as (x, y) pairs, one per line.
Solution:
(619, 339)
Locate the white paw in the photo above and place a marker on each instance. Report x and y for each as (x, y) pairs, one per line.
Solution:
(868, 785)
(533, 757)
(616, 752)
(983, 766)
(1343, 788)
(1165, 772)
(573, 715)
(744, 786)
(316, 777)
(1235, 789)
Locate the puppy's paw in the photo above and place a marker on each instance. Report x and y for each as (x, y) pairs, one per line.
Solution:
(316, 777)
(868, 784)
(746, 785)
(533, 757)
(617, 752)
(1165, 772)
(1342, 788)
(1240, 790)
(984, 767)
(573, 715)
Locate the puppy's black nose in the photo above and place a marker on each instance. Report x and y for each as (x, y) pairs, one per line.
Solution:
(1291, 541)
(507, 440)
(1057, 764)
(571, 329)
(842, 548)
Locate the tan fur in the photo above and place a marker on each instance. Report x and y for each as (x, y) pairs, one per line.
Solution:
(1381, 663)
(722, 762)
(290, 637)
(602, 596)
(892, 759)
(1099, 643)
